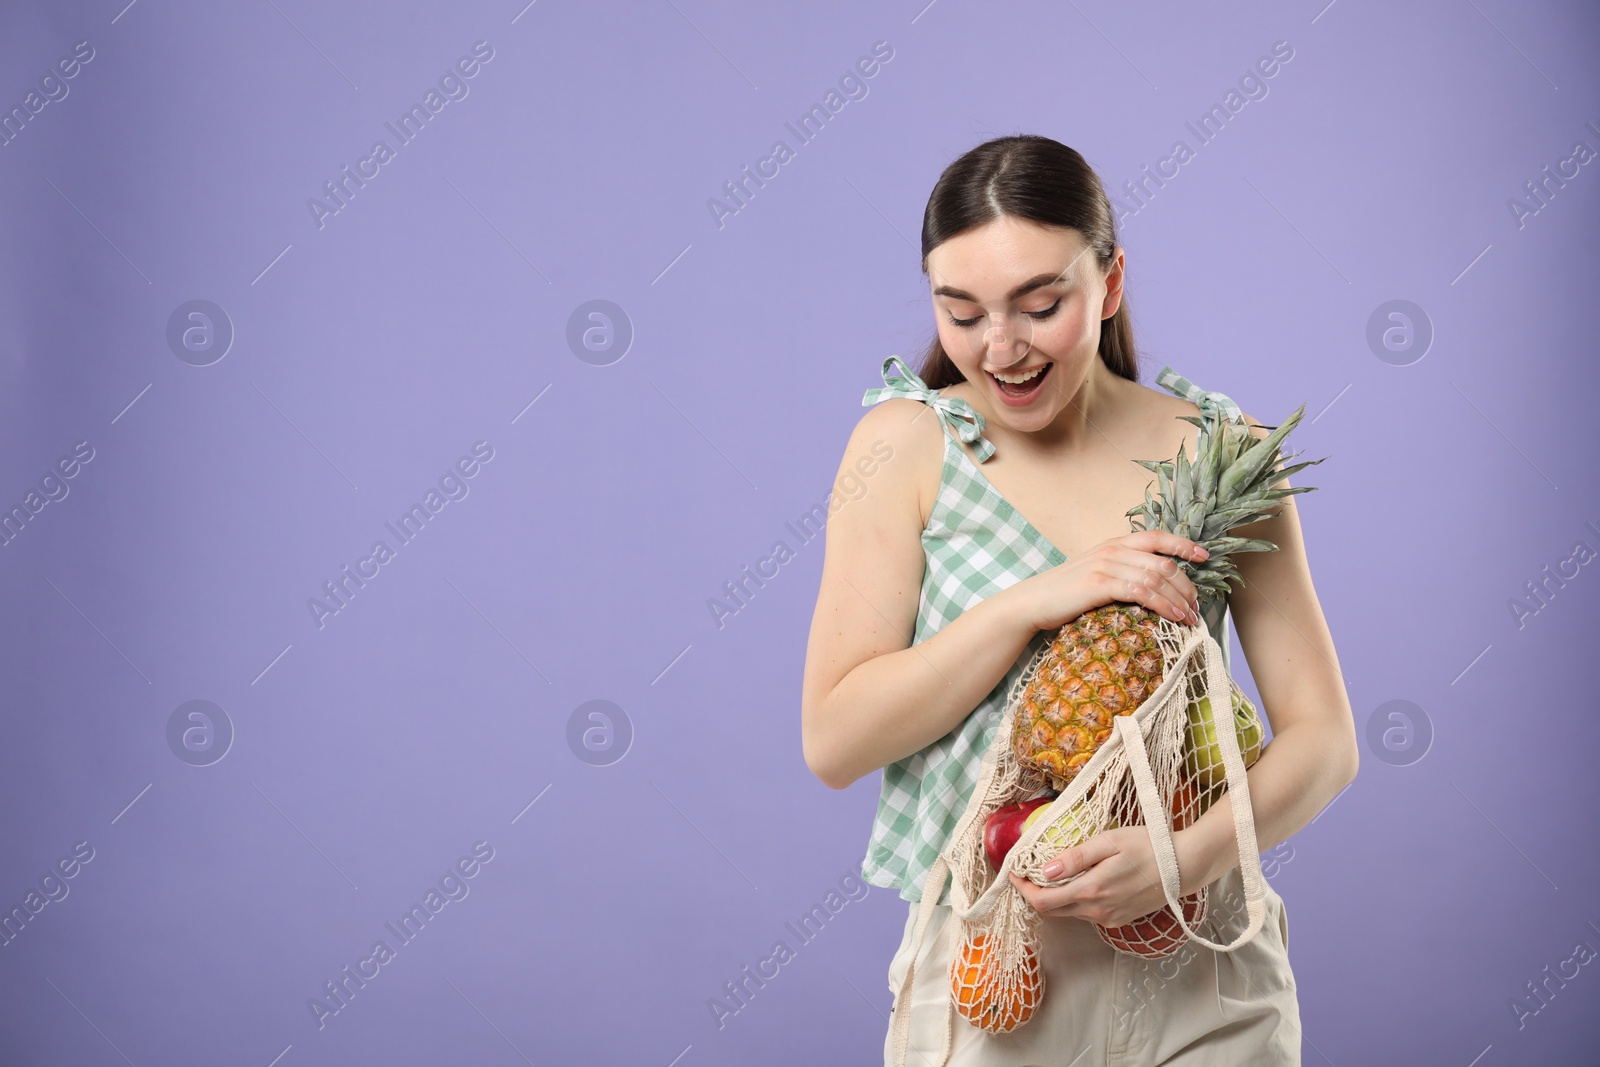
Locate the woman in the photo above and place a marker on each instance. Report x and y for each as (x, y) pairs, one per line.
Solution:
(992, 524)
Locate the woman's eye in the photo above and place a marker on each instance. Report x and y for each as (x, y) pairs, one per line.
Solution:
(1045, 314)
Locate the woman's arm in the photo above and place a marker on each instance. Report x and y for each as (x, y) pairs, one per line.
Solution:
(868, 698)
(1313, 753)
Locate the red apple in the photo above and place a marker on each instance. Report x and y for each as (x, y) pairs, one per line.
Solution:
(1158, 934)
(1004, 827)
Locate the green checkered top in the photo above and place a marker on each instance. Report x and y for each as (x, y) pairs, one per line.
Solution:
(975, 544)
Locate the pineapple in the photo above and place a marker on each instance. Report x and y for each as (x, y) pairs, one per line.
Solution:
(1106, 662)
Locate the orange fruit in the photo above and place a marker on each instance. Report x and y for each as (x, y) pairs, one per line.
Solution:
(993, 1002)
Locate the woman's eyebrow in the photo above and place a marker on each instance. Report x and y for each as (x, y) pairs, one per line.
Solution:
(1038, 281)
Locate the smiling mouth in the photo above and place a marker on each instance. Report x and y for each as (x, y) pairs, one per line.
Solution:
(1021, 385)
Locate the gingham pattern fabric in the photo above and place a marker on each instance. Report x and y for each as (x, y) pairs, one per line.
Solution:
(1173, 382)
(975, 544)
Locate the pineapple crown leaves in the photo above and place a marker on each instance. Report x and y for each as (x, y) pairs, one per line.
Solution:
(1229, 483)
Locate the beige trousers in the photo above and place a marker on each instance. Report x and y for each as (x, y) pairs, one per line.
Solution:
(1104, 1008)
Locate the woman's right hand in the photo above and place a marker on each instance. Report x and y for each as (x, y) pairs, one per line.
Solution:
(1137, 568)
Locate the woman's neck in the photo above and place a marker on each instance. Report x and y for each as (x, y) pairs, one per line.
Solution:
(1087, 407)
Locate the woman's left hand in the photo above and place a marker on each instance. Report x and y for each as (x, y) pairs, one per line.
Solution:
(1116, 881)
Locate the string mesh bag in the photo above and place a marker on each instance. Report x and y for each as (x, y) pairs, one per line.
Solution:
(1154, 768)
(1128, 719)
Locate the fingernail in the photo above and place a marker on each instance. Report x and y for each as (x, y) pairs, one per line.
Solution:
(1053, 869)
(1200, 551)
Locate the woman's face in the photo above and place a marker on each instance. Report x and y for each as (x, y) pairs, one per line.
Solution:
(1012, 297)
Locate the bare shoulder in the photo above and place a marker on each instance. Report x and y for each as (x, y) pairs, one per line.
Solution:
(1160, 428)
(1162, 415)
(901, 442)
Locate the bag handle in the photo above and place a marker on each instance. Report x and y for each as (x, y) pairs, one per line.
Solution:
(1156, 815)
(1156, 821)
(900, 1028)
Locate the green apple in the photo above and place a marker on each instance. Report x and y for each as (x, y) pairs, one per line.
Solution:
(1203, 755)
(1070, 829)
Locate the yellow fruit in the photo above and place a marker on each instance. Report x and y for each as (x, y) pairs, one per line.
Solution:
(1102, 664)
(1107, 661)
(1068, 830)
(1203, 754)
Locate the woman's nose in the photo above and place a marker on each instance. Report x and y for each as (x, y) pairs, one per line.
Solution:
(1005, 340)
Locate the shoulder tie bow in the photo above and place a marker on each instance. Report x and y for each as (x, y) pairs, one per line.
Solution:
(1208, 403)
(961, 416)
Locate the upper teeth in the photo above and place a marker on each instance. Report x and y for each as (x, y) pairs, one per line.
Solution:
(1017, 379)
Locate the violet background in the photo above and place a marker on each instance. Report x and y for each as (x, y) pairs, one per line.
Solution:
(427, 314)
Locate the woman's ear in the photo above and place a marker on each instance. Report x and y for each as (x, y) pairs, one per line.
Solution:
(1114, 278)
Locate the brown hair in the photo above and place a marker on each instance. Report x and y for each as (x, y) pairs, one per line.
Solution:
(1036, 178)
